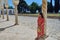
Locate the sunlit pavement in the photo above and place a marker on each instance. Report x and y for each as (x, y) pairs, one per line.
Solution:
(26, 30)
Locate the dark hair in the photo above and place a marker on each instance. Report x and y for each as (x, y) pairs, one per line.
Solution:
(41, 15)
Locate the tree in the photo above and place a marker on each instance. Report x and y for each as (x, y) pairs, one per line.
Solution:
(49, 7)
(22, 6)
(33, 7)
(39, 8)
(10, 7)
(56, 7)
(59, 4)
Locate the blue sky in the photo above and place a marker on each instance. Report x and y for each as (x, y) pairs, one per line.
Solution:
(39, 2)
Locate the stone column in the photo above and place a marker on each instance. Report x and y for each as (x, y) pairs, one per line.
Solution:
(0, 13)
(16, 13)
(0, 8)
(6, 5)
(44, 11)
(16, 16)
(7, 12)
(3, 12)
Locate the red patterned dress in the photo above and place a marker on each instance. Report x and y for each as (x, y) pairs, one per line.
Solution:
(40, 28)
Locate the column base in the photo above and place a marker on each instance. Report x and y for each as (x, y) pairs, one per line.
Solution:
(16, 24)
(3, 17)
(41, 38)
(7, 20)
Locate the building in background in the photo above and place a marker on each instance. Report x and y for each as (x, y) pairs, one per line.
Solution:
(10, 11)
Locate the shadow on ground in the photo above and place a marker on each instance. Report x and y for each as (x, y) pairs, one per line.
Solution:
(2, 21)
(2, 29)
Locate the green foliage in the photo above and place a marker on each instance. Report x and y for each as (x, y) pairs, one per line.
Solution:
(22, 6)
(56, 7)
(10, 7)
(39, 8)
(50, 7)
(33, 7)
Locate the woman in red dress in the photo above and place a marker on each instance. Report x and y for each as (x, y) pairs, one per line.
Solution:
(40, 28)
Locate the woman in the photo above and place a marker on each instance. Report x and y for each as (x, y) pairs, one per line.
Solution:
(40, 28)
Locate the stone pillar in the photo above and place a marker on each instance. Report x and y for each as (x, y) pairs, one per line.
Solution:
(3, 12)
(44, 11)
(0, 13)
(16, 16)
(6, 5)
(16, 13)
(0, 8)
(7, 12)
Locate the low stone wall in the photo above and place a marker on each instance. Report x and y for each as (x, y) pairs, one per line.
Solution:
(36, 15)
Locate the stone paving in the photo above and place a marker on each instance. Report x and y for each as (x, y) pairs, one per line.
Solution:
(26, 30)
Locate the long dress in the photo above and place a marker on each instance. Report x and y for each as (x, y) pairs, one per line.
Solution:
(40, 28)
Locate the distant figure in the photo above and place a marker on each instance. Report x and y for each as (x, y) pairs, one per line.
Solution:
(40, 28)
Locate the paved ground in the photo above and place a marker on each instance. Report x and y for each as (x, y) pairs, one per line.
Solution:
(26, 30)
